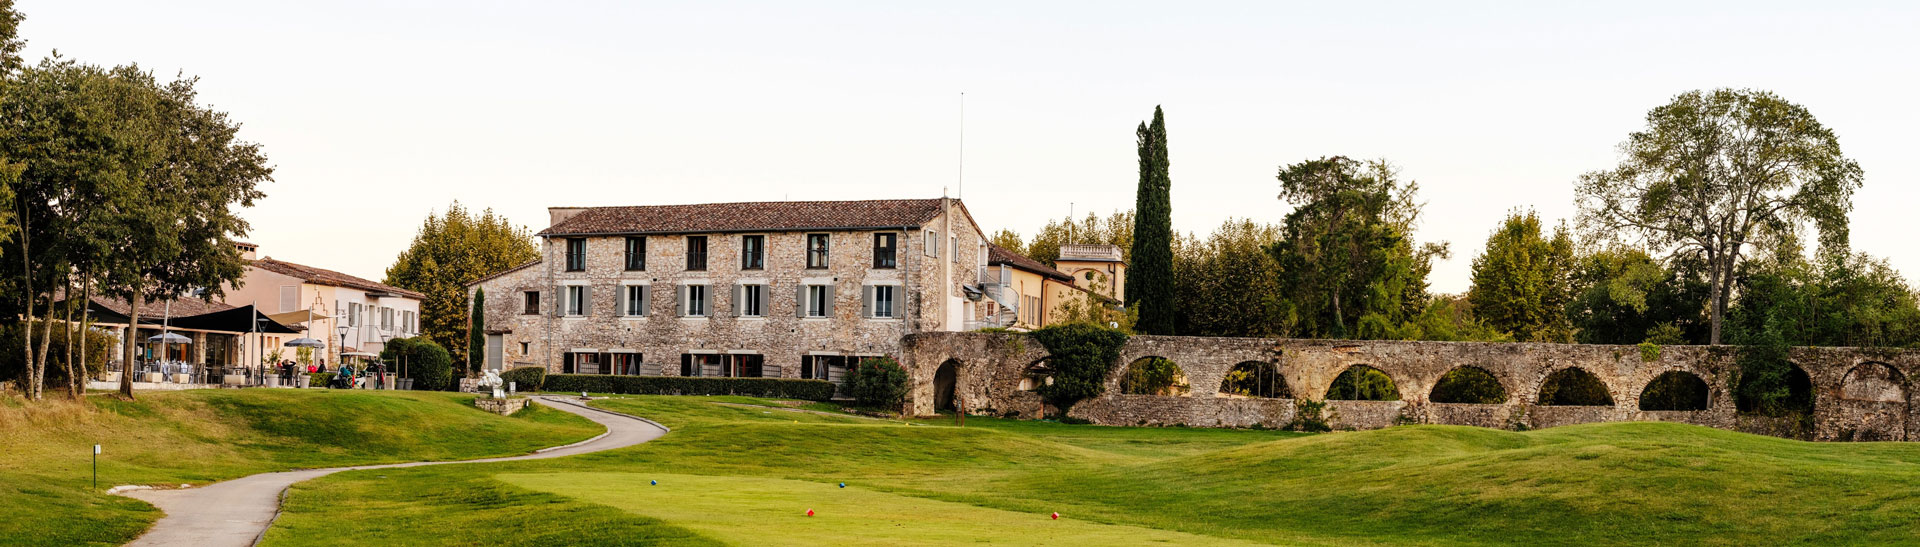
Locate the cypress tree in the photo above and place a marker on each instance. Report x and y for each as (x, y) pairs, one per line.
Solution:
(477, 332)
(1149, 283)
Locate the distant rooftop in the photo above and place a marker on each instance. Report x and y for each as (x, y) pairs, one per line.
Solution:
(1090, 253)
(323, 276)
(773, 216)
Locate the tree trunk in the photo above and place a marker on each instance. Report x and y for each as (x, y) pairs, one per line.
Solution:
(46, 346)
(1716, 277)
(133, 344)
(31, 389)
(66, 326)
(86, 330)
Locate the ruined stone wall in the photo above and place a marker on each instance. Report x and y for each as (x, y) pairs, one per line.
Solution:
(1860, 394)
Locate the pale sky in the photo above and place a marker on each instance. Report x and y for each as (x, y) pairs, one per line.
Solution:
(378, 113)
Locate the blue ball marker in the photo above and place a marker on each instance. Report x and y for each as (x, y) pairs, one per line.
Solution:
(653, 483)
(843, 485)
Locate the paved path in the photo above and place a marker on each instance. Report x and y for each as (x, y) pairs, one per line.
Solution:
(238, 511)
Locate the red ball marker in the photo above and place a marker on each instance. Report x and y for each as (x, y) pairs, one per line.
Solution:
(1056, 515)
(810, 513)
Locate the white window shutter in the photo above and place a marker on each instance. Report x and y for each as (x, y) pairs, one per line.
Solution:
(646, 300)
(829, 312)
(866, 301)
(706, 301)
(739, 302)
(559, 300)
(800, 300)
(586, 300)
(680, 300)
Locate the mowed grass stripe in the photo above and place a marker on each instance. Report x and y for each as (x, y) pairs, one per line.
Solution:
(762, 511)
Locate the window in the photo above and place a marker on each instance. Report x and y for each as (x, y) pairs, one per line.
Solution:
(953, 242)
(289, 298)
(696, 253)
(822, 367)
(816, 300)
(576, 254)
(386, 318)
(623, 364)
(636, 301)
(523, 348)
(697, 364)
(576, 300)
(753, 252)
(882, 301)
(750, 300)
(742, 366)
(695, 297)
(582, 363)
(932, 245)
(883, 254)
(532, 305)
(353, 314)
(636, 254)
(816, 250)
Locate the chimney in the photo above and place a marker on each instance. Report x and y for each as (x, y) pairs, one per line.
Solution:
(557, 214)
(247, 250)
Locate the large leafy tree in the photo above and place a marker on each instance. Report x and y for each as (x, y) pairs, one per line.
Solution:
(10, 42)
(449, 251)
(1716, 172)
(1622, 295)
(1520, 280)
(1228, 284)
(129, 184)
(1349, 265)
(1149, 284)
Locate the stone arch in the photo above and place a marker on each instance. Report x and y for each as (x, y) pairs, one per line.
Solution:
(1363, 383)
(1676, 390)
(1574, 386)
(1872, 381)
(1258, 379)
(1468, 384)
(945, 380)
(1154, 375)
(1800, 399)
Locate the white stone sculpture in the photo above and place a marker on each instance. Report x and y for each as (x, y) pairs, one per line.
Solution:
(492, 383)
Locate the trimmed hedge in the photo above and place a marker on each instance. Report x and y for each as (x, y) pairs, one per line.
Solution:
(320, 379)
(525, 378)
(783, 388)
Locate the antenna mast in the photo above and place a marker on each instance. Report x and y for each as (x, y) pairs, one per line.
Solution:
(962, 175)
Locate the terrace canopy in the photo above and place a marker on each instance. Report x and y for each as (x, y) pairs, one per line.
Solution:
(240, 319)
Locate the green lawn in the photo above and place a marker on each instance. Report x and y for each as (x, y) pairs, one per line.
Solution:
(195, 437)
(745, 475)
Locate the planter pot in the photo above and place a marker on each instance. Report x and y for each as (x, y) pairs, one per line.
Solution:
(233, 380)
(182, 378)
(273, 381)
(305, 381)
(151, 377)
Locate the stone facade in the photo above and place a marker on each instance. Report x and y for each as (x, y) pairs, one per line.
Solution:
(928, 297)
(1859, 394)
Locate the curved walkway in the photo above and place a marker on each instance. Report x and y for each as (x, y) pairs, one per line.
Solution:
(238, 511)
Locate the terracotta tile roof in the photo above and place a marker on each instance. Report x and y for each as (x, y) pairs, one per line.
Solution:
(158, 309)
(322, 276)
(997, 255)
(772, 216)
(496, 275)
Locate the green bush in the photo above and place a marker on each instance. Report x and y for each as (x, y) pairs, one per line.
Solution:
(526, 378)
(878, 382)
(1363, 383)
(1082, 355)
(13, 365)
(428, 364)
(1468, 385)
(780, 388)
(319, 379)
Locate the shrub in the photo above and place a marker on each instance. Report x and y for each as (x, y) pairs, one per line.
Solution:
(1154, 376)
(1082, 355)
(781, 388)
(1469, 385)
(319, 379)
(878, 382)
(526, 378)
(100, 348)
(428, 364)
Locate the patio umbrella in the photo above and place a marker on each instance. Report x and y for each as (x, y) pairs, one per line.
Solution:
(359, 354)
(304, 342)
(170, 338)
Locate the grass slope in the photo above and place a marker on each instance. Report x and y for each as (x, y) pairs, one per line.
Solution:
(202, 436)
(1437, 485)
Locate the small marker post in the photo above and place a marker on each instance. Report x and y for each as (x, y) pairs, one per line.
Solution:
(96, 467)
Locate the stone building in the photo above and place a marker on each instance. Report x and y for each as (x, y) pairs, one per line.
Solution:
(768, 289)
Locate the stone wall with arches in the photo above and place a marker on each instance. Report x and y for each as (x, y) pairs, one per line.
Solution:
(1859, 394)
